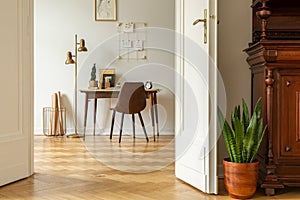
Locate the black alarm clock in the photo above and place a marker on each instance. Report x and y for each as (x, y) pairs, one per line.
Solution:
(148, 85)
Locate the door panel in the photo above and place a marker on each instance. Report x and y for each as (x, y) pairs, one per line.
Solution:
(16, 116)
(195, 117)
(290, 117)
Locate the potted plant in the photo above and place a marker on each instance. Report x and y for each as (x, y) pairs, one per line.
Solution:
(242, 141)
(93, 83)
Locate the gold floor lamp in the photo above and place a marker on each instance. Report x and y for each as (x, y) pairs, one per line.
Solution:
(70, 60)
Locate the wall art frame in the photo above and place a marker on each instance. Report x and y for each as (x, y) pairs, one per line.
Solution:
(105, 10)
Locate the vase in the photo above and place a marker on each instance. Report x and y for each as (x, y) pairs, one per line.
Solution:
(93, 84)
(240, 179)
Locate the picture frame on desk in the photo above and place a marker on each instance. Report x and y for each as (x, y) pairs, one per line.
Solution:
(107, 78)
(105, 10)
(108, 81)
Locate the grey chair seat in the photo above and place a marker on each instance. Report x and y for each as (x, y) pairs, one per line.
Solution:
(131, 100)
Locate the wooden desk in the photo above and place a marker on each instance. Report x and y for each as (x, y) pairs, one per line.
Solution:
(110, 93)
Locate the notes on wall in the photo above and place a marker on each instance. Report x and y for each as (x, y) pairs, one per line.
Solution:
(132, 40)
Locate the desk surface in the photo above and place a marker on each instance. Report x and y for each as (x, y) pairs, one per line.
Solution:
(114, 90)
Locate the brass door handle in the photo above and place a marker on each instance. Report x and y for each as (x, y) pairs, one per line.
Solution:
(205, 24)
(199, 20)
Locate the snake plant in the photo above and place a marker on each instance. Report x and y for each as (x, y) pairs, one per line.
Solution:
(244, 136)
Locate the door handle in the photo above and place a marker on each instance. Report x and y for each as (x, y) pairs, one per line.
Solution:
(204, 23)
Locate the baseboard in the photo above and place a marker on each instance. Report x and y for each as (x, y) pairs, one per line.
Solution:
(220, 171)
(89, 131)
(38, 131)
(127, 132)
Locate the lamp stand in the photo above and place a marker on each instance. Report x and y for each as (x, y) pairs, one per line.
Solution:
(81, 48)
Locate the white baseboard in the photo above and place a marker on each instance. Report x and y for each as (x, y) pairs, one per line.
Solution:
(89, 131)
(126, 132)
(38, 131)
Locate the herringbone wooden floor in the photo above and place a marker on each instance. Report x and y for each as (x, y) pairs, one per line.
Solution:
(67, 168)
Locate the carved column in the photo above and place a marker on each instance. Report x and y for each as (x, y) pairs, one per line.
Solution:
(263, 14)
(269, 99)
(271, 181)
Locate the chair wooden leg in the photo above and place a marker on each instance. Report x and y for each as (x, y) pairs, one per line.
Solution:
(121, 128)
(112, 123)
(143, 125)
(133, 125)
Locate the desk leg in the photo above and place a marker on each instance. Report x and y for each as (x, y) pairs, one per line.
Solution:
(152, 115)
(156, 113)
(95, 114)
(85, 114)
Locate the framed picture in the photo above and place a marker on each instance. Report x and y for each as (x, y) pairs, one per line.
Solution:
(105, 10)
(108, 81)
(107, 78)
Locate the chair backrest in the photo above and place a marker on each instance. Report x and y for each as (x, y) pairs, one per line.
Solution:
(132, 98)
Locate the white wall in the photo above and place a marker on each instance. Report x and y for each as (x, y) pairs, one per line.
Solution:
(56, 22)
(234, 35)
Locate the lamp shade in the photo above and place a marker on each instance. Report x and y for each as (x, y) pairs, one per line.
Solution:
(82, 46)
(69, 58)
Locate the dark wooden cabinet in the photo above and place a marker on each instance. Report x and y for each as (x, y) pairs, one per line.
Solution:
(274, 59)
(275, 71)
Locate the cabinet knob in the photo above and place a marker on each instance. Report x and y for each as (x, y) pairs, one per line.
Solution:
(288, 83)
(288, 148)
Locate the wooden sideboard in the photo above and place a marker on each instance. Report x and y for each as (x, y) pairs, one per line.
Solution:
(275, 71)
(274, 59)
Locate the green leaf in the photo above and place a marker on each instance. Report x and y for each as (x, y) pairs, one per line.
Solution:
(260, 137)
(257, 108)
(254, 133)
(227, 135)
(245, 115)
(235, 114)
(249, 139)
(238, 112)
(239, 137)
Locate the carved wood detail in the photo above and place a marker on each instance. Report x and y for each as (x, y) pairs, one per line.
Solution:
(297, 116)
(275, 19)
(271, 55)
(263, 13)
(269, 99)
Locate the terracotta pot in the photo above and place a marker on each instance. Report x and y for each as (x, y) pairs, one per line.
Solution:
(240, 178)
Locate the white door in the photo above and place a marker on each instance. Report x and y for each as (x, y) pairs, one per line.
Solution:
(16, 86)
(196, 131)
